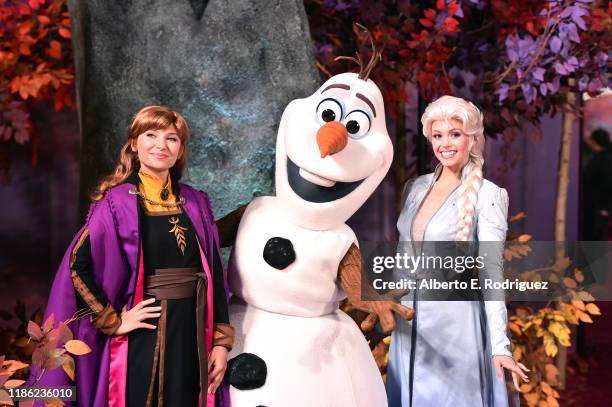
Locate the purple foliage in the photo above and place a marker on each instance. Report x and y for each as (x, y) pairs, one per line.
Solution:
(540, 65)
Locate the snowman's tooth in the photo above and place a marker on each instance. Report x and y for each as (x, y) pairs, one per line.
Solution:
(316, 179)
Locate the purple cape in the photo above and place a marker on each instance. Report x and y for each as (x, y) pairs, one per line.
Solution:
(115, 240)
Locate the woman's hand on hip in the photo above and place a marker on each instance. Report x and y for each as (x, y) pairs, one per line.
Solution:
(132, 319)
(217, 364)
(502, 362)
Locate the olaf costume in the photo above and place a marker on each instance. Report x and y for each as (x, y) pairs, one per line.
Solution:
(332, 152)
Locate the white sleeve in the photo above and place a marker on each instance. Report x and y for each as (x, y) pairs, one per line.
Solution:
(492, 226)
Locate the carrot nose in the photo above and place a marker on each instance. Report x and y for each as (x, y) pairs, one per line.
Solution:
(332, 137)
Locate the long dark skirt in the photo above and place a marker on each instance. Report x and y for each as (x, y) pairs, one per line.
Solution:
(180, 373)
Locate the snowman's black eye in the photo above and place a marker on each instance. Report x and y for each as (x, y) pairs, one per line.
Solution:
(328, 115)
(352, 126)
(329, 110)
(357, 124)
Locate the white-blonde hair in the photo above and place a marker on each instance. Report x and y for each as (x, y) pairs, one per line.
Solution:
(447, 108)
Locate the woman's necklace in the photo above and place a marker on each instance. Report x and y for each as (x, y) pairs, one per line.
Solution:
(181, 200)
(164, 194)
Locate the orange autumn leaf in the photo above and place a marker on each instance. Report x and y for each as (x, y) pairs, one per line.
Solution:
(53, 403)
(593, 309)
(524, 238)
(13, 383)
(77, 347)
(11, 366)
(5, 399)
(579, 304)
(518, 216)
(69, 367)
(552, 401)
(569, 282)
(584, 317)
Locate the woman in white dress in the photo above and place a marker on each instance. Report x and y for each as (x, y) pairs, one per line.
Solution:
(453, 353)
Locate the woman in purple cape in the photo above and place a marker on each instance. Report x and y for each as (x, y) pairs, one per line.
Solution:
(146, 265)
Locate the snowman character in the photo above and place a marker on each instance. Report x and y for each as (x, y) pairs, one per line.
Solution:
(295, 259)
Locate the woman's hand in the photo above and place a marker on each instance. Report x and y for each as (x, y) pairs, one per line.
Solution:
(217, 363)
(506, 362)
(132, 319)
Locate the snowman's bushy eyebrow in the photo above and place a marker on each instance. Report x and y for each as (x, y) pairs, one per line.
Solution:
(365, 99)
(337, 85)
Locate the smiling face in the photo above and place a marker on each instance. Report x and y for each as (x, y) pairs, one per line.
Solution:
(158, 150)
(450, 144)
(332, 151)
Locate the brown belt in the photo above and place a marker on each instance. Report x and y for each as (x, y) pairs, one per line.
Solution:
(173, 284)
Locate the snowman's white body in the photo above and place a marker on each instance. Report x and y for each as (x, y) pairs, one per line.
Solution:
(315, 354)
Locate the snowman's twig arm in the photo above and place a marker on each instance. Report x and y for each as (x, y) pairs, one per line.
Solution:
(380, 307)
(228, 226)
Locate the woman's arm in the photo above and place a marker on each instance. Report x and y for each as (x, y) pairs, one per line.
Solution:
(223, 334)
(104, 318)
(492, 226)
(491, 229)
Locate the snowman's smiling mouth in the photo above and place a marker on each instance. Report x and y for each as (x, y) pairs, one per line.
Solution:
(315, 188)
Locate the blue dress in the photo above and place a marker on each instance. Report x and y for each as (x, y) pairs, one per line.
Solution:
(443, 357)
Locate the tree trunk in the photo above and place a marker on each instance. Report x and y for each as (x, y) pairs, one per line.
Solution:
(230, 68)
(561, 209)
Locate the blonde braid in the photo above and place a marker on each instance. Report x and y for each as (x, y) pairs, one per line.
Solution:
(466, 204)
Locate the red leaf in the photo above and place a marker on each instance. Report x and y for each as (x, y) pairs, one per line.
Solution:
(65, 334)
(65, 33)
(453, 7)
(24, 49)
(44, 20)
(48, 325)
(430, 14)
(39, 356)
(55, 49)
(440, 4)
(55, 359)
(24, 9)
(450, 24)
(34, 330)
(35, 3)
(425, 22)
(25, 28)
(5, 398)
(531, 28)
